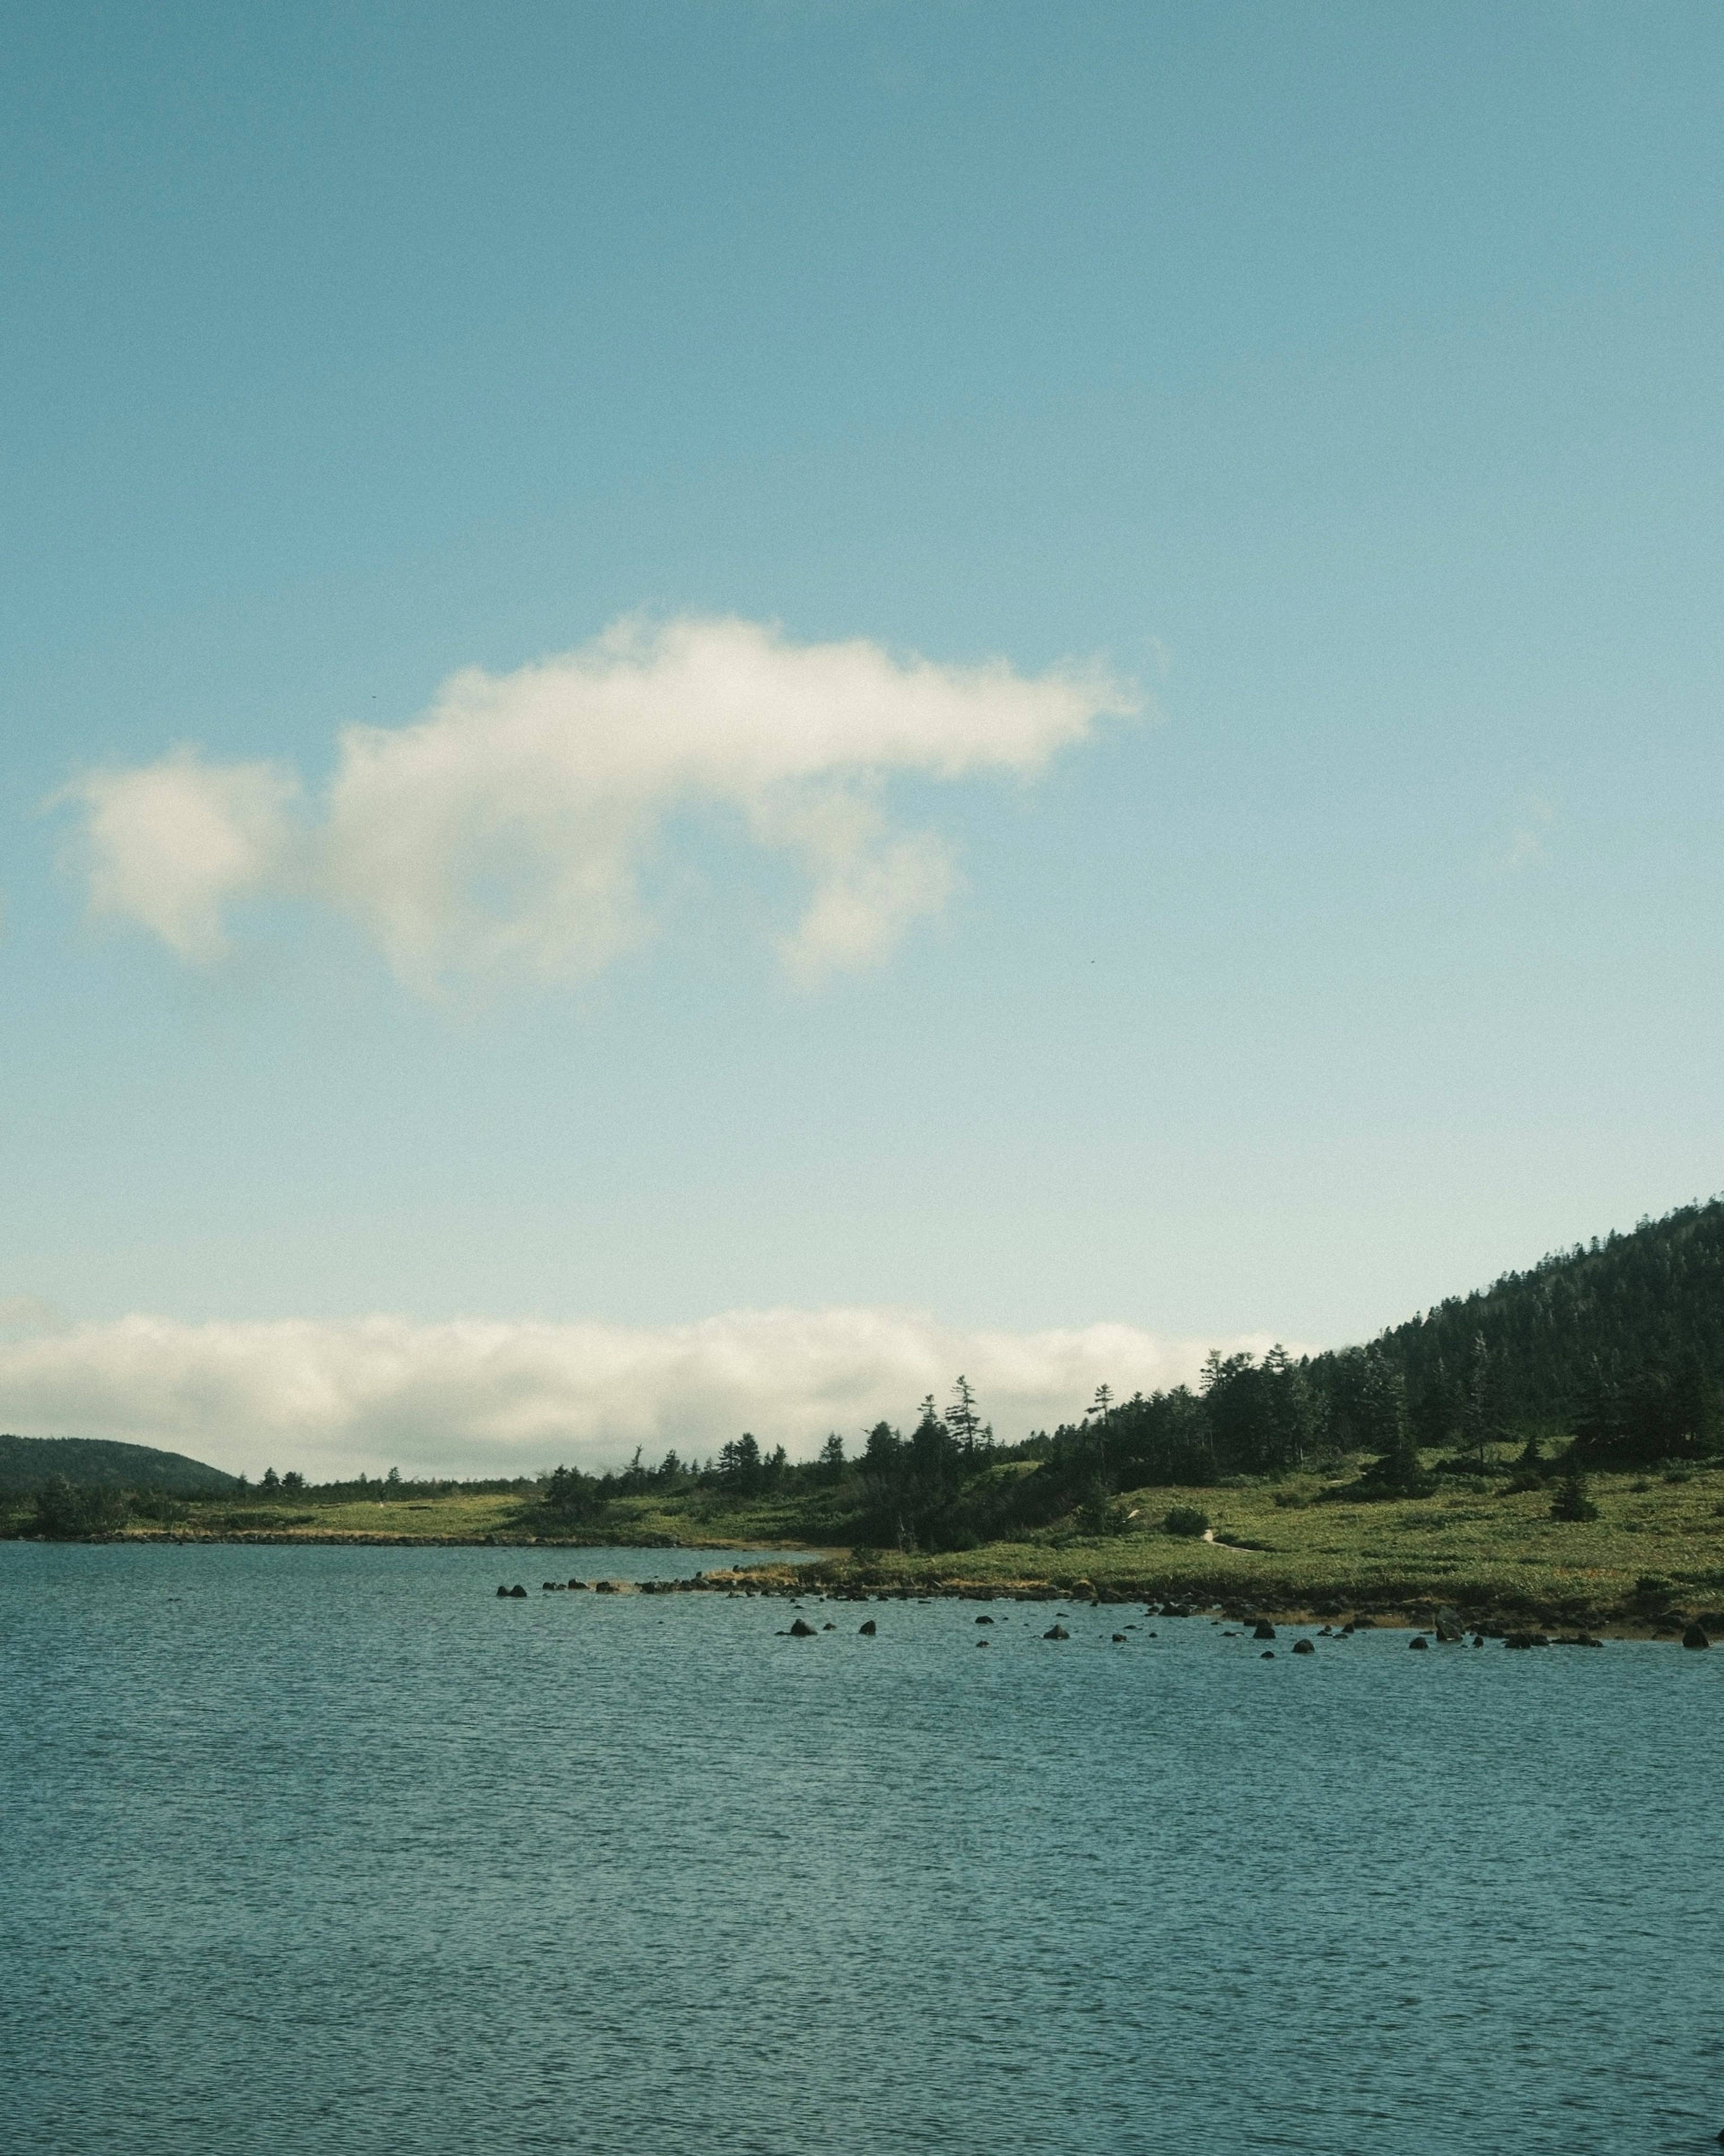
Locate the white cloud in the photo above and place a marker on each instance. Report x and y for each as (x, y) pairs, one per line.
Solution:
(172, 844)
(508, 830)
(479, 1397)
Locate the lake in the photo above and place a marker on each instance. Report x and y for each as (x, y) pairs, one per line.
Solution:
(330, 1849)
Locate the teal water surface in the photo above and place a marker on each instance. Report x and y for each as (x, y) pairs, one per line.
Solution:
(321, 1849)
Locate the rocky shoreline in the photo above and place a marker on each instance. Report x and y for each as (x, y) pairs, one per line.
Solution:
(831, 1576)
(1443, 1622)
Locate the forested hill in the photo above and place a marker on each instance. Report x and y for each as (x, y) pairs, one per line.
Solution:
(1650, 1301)
(95, 1463)
(1619, 1345)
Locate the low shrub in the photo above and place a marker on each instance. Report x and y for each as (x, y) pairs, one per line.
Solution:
(1186, 1520)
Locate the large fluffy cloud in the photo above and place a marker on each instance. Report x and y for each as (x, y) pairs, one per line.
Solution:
(477, 1397)
(509, 829)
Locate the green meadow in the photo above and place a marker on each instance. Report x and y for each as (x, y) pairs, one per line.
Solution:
(1287, 1544)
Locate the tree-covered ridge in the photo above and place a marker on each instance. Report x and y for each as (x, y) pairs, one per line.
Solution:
(1650, 1299)
(98, 1463)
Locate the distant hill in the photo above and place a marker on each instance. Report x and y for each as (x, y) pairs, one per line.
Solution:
(1650, 1300)
(99, 1463)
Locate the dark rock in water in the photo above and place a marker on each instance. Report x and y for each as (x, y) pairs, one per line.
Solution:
(1419, 1639)
(1478, 1638)
(604, 1587)
(1119, 1639)
(1695, 1637)
(1267, 1655)
(984, 1620)
(1263, 1630)
(578, 1583)
(517, 1594)
(802, 1630)
(1526, 1639)
(869, 1629)
(829, 1628)
(1303, 1647)
(984, 1643)
(502, 1590)
(1056, 1632)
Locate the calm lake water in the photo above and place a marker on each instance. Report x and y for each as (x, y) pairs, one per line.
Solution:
(322, 1850)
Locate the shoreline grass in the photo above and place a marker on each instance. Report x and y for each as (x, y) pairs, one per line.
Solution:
(1291, 1546)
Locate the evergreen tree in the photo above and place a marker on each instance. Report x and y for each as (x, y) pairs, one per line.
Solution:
(963, 1420)
(1397, 1472)
(1571, 1501)
(740, 1466)
(1481, 1424)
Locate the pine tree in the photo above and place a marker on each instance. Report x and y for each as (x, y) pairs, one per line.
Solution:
(1571, 1501)
(963, 1420)
(1397, 1472)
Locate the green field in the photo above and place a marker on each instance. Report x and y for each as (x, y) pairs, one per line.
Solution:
(1281, 1546)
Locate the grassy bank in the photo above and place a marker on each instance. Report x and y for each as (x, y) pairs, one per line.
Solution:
(1286, 1545)
(1655, 1546)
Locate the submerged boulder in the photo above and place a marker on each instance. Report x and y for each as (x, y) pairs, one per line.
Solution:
(1056, 1632)
(1263, 1630)
(517, 1594)
(1419, 1639)
(1696, 1637)
(1303, 1647)
(868, 1630)
(801, 1629)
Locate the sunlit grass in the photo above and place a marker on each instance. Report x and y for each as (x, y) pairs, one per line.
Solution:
(1475, 1546)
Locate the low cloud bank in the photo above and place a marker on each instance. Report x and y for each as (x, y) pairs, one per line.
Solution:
(477, 1397)
(514, 829)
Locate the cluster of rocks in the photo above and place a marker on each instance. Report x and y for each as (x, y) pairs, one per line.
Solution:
(1446, 1626)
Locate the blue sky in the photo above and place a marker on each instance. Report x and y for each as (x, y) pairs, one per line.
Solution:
(1344, 377)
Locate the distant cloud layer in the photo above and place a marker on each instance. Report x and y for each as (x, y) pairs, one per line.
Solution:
(476, 1397)
(508, 830)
